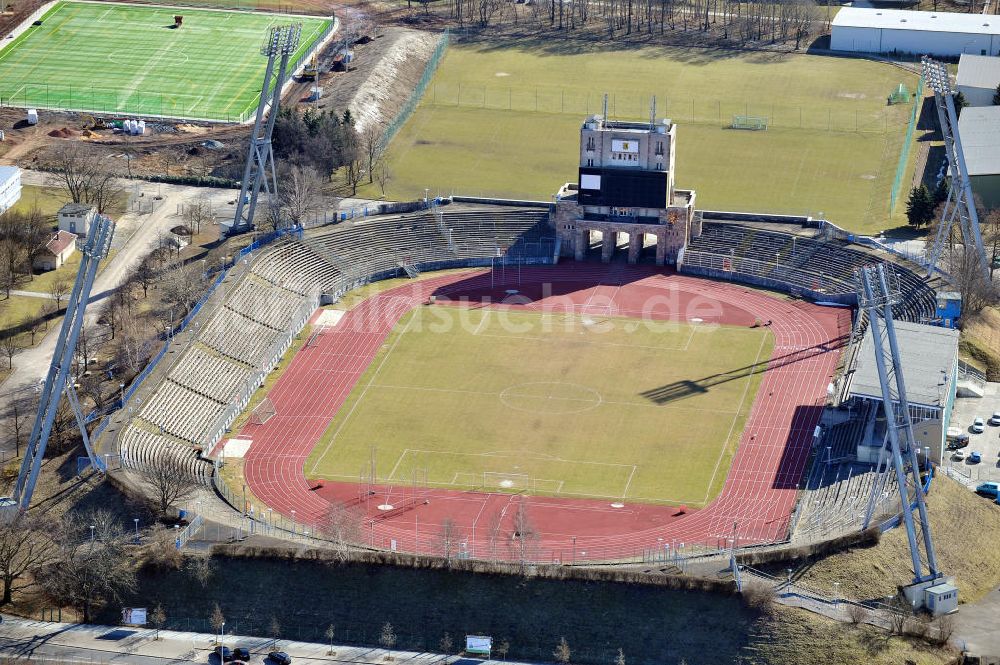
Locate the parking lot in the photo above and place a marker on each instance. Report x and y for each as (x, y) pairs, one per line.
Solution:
(987, 443)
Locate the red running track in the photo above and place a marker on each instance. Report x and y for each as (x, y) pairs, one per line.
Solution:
(760, 490)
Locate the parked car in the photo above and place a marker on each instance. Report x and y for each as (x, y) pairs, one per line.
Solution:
(978, 426)
(991, 490)
(995, 418)
(280, 657)
(975, 457)
(960, 441)
(958, 456)
(241, 653)
(225, 654)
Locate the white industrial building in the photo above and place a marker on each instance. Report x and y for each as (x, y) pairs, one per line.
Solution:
(978, 78)
(979, 127)
(10, 186)
(943, 34)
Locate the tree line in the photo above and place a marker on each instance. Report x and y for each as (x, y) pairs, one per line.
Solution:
(737, 21)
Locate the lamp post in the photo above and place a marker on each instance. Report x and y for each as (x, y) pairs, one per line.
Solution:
(293, 522)
(136, 520)
(836, 594)
(92, 527)
(121, 393)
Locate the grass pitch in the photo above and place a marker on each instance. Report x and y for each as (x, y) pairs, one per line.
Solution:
(548, 404)
(504, 120)
(109, 58)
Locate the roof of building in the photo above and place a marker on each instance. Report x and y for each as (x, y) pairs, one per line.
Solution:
(978, 71)
(903, 19)
(76, 208)
(979, 129)
(928, 355)
(60, 241)
(7, 172)
(181, 230)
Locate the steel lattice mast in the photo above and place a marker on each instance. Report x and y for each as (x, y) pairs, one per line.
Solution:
(280, 44)
(58, 380)
(878, 291)
(960, 203)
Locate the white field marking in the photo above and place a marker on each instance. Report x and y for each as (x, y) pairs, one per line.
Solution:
(732, 426)
(482, 322)
(631, 475)
(644, 404)
(561, 340)
(396, 466)
(361, 396)
(489, 454)
(189, 9)
(687, 345)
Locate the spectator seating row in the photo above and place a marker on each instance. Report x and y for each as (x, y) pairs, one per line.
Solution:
(238, 336)
(270, 307)
(181, 411)
(843, 438)
(141, 449)
(211, 375)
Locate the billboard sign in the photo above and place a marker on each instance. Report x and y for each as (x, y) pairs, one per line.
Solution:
(478, 645)
(134, 616)
(630, 146)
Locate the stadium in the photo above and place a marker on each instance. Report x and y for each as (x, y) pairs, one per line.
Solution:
(675, 387)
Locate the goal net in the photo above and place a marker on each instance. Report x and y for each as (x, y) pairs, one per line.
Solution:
(263, 412)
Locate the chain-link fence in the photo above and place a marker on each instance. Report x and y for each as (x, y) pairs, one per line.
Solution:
(904, 155)
(694, 110)
(418, 91)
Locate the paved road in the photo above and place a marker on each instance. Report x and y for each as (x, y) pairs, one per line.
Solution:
(976, 626)
(68, 643)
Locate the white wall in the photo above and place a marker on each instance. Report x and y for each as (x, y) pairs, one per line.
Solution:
(879, 40)
(10, 191)
(977, 96)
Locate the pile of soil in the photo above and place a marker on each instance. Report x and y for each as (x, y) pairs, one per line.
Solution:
(62, 133)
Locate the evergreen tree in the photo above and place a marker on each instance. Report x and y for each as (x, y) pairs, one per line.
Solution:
(941, 191)
(919, 207)
(996, 96)
(960, 102)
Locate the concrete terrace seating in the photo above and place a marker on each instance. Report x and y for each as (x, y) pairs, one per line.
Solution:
(838, 500)
(181, 411)
(213, 376)
(141, 449)
(270, 307)
(811, 263)
(843, 438)
(238, 336)
(294, 267)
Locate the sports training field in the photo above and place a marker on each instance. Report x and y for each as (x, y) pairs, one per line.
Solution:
(549, 404)
(504, 120)
(127, 59)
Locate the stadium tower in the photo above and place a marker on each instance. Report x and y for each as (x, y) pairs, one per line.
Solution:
(625, 188)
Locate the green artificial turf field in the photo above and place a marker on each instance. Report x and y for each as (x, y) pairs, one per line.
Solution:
(112, 58)
(503, 120)
(548, 404)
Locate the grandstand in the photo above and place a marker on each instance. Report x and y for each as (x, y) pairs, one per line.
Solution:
(236, 342)
(800, 260)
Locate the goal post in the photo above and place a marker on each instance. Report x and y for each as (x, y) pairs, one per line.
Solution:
(507, 482)
(751, 122)
(263, 412)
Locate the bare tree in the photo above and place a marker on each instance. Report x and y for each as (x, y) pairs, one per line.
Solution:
(976, 290)
(329, 634)
(86, 177)
(160, 551)
(59, 289)
(94, 564)
(387, 638)
(274, 628)
(383, 175)
(198, 212)
(26, 547)
(503, 648)
(20, 412)
(158, 619)
(300, 193)
(32, 325)
(182, 285)
(216, 620)
(145, 275)
(446, 644)
(168, 483)
(525, 537)
(10, 346)
(343, 528)
(373, 147)
(449, 538)
(202, 569)
(562, 652)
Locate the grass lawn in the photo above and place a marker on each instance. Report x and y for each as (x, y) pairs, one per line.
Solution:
(126, 59)
(48, 200)
(14, 309)
(503, 120)
(553, 405)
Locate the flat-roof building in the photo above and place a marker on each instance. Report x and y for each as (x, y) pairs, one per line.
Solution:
(979, 128)
(978, 78)
(866, 30)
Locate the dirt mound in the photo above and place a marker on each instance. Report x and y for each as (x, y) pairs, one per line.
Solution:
(62, 133)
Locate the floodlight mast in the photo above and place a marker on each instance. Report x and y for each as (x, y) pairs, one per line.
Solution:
(260, 172)
(960, 201)
(878, 291)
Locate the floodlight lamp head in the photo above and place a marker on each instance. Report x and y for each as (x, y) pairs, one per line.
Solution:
(290, 41)
(936, 74)
(272, 43)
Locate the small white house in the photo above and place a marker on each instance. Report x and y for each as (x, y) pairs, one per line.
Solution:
(56, 251)
(978, 78)
(76, 218)
(10, 186)
(941, 598)
(864, 30)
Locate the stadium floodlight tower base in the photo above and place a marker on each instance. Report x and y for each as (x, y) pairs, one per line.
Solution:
(960, 203)
(57, 381)
(281, 42)
(878, 291)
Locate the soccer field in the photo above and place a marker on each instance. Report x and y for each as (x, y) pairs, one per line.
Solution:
(504, 120)
(111, 58)
(497, 400)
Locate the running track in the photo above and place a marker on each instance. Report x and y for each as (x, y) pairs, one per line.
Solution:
(760, 490)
